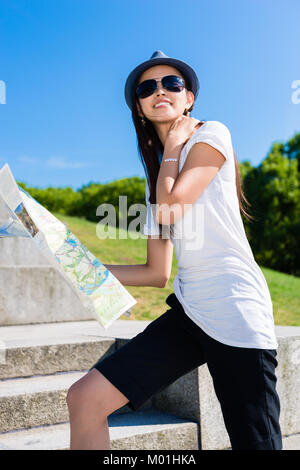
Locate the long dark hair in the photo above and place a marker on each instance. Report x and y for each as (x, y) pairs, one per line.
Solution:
(150, 149)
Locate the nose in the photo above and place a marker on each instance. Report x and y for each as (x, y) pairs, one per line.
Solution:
(159, 87)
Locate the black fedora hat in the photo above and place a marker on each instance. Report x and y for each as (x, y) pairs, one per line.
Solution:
(159, 58)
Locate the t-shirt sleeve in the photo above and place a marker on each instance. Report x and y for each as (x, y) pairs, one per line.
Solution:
(216, 134)
(151, 226)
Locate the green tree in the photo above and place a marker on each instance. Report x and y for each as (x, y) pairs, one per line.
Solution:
(273, 189)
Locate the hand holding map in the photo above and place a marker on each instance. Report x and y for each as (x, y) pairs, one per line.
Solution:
(99, 291)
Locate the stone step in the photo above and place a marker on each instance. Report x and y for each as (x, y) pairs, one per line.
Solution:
(41, 399)
(35, 400)
(50, 348)
(138, 430)
(56, 347)
(151, 430)
(291, 442)
(37, 294)
(20, 251)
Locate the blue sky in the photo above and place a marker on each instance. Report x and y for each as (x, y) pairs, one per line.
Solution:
(64, 63)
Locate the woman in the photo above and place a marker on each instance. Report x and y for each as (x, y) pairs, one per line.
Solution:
(221, 309)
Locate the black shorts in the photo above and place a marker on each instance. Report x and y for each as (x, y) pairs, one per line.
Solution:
(172, 345)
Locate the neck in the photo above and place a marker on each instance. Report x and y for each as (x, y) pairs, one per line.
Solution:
(162, 130)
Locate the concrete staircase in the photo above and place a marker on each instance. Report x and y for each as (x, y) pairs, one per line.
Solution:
(39, 362)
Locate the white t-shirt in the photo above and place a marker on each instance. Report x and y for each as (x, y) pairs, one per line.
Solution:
(219, 284)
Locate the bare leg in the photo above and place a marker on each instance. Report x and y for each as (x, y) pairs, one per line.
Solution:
(90, 400)
(94, 438)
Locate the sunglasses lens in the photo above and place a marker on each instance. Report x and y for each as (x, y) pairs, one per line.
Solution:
(173, 83)
(146, 88)
(170, 83)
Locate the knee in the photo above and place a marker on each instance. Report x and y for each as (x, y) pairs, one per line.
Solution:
(74, 395)
(80, 396)
(82, 400)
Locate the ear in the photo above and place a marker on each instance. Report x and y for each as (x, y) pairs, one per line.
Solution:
(191, 98)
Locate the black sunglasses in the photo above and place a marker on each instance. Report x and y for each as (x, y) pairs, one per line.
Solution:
(169, 82)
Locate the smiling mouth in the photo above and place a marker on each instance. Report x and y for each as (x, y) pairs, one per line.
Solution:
(162, 105)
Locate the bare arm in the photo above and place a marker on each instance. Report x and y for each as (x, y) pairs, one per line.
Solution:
(156, 271)
(135, 275)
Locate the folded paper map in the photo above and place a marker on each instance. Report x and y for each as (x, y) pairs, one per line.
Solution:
(97, 288)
